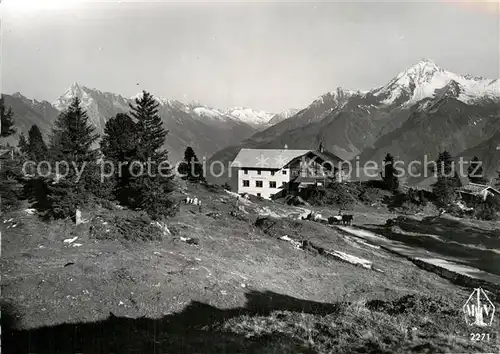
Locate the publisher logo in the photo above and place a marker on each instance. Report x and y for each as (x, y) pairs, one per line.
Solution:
(478, 309)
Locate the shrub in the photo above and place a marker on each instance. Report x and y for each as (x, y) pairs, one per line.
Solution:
(370, 195)
(488, 210)
(130, 226)
(64, 199)
(92, 182)
(10, 189)
(156, 201)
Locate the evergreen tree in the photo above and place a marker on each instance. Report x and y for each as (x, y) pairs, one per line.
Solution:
(37, 148)
(150, 132)
(23, 144)
(119, 146)
(475, 171)
(497, 180)
(390, 178)
(447, 180)
(6, 120)
(71, 142)
(73, 136)
(191, 168)
(10, 171)
(148, 190)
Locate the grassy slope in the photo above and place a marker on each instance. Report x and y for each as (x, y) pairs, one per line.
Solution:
(240, 289)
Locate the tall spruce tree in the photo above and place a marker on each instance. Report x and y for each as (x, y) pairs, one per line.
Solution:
(497, 180)
(73, 135)
(10, 171)
(119, 146)
(150, 132)
(37, 148)
(149, 189)
(191, 167)
(475, 171)
(447, 180)
(390, 176)
(6, 120)
(22, 144)
(71, 142)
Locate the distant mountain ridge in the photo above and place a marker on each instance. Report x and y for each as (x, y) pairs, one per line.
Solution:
(204, 128)
(421, 110)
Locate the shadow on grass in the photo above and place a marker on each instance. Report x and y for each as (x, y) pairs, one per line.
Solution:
(194, 330)
(474, 246)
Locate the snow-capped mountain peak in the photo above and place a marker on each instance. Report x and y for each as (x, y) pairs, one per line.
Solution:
(425, 78)
(249, 116)
(98, 105)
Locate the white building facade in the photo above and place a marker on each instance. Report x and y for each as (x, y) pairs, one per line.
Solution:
(262, 172)
(262, 183)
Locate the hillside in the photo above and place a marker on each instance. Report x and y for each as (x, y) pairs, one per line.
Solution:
(238, 288)
(489, 152)
(439, 123)
(28, 112)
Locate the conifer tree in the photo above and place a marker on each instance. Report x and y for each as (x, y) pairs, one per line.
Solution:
(149, 190)
(475, 171)
(497, 180)
(73, 135)
(37, 148)
(390, 178)
(447, 180)
(191, 167)
(10, 171)
(119, 146)
(71, 142)
(6, 120)
(22, 144)
(150, 132)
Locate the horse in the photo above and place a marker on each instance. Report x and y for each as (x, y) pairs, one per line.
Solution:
(347, 219)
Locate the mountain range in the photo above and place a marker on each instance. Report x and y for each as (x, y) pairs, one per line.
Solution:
(204, 128)
(421, 111)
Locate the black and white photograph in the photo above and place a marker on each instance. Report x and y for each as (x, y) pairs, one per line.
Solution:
(267, 177)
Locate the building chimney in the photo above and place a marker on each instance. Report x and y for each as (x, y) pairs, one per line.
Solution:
(321, 147)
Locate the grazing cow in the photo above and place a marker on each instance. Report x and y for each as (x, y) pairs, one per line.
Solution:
(336, 219)
(347, 219)
(188, 200)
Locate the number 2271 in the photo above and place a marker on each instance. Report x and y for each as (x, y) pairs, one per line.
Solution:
(479, 337)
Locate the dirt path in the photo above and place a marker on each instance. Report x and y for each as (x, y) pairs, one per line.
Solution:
(449, 268)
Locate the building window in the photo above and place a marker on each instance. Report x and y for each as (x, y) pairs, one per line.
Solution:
(259, 172)
(272, 173)
(258, 184)
(284, 172)
(246, 183)
(258, 195)
(272, 184)
(245, 171)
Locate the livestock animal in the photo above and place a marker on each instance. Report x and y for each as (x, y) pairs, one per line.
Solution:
(347, 219)
(336, 219)
(188, 200)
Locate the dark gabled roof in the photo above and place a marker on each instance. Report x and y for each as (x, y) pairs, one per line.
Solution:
(324, 156)
(309, 179)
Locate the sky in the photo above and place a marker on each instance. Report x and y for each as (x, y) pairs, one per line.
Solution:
(268, 55)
